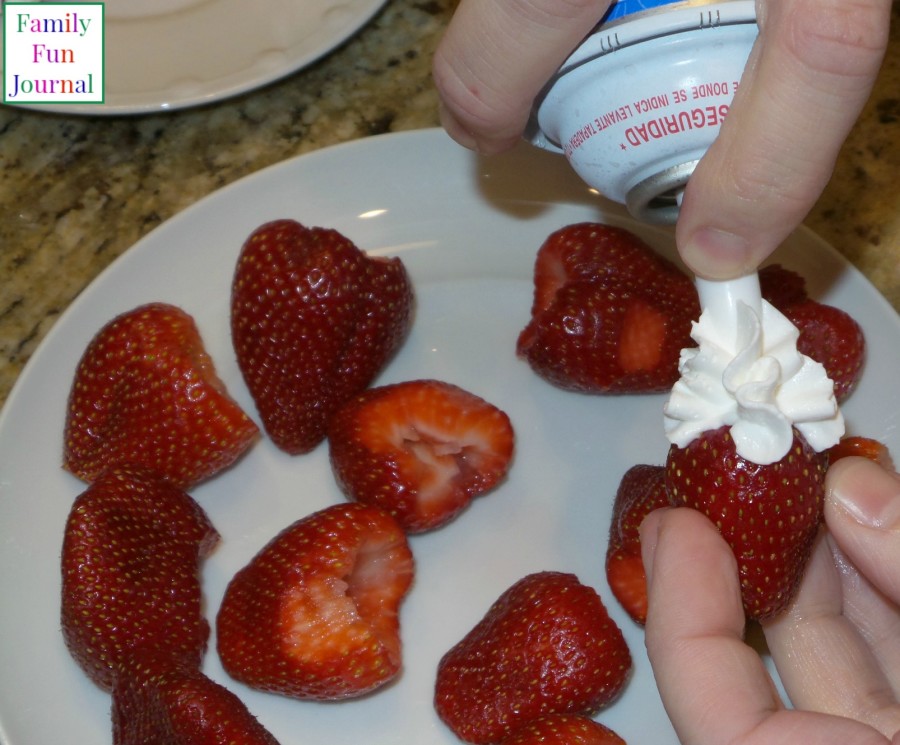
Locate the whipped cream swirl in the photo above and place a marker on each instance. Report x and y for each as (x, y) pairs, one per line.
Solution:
(747, 373)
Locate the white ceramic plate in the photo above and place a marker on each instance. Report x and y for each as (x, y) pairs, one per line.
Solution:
(467, 229)
(163, 55)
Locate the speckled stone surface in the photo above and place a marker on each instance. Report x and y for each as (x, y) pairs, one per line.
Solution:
(75, 192)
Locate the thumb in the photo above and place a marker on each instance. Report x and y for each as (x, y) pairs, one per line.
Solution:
(807, 79)
(862, 509)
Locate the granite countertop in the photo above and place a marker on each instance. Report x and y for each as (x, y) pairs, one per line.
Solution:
(76, 192)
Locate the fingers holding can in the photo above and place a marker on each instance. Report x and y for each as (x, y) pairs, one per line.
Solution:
(808, 77)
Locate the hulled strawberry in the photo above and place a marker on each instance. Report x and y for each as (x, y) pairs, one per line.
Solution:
(421, 450)
(157, 702)
(130, 561)
(610, 315)
(546, 646)
(564, 729)
(313, 321)
(768, 514)
(146, 391)
(641, 490)
(315, 614)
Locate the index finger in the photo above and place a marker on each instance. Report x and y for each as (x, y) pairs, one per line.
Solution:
(694, 631)
(495, 57)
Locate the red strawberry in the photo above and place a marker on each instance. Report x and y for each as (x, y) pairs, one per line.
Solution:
(146, 392)
(422, 450)
(130, 559)
(314, 614)
(768, 514)
(564, 729)
(609, 314)
(781, 287)
(862, 447)
(642, 490)
(313, 321)
(156, 702)
(546, 646)
(827, 334)
(832, 337)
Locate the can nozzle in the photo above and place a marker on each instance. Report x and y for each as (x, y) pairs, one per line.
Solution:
(658, 199)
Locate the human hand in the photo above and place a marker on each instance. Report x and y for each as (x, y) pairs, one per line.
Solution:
(806, 81)
(836, 647)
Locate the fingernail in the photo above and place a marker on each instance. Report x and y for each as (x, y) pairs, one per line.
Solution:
(717, 254)
(869, 494)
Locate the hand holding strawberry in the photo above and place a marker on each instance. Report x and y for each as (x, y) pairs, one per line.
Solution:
(768, 514)
(833, 647)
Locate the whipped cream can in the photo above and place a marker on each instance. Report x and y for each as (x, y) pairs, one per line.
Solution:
(639, 102)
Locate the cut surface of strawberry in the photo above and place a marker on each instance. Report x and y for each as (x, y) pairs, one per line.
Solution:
(164, 704)
(314, 615)
(130, 562)
(641, 490)
(564, 729)
(145, 391)
(546, 646)
(768, 514)
(313, 320)
(422, 450)
(609, 315)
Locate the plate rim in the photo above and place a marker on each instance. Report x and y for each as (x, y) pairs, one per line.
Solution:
(218, 89)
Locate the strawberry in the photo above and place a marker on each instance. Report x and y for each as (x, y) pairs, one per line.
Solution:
(422, 450)
(564, 729)
(768, 514)
(547, 645)
(609, 314)
(641, 490)
(130, 559)
(828, 335)
(146, 391)
(158, 702)
(832, 337)
(313, 321)
(782, 287)
(314, 614)
(862, 447)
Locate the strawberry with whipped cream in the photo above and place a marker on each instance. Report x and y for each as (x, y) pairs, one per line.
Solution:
(749, 421)
(746, 373)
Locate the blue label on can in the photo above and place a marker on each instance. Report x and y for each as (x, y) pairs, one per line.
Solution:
(622, 8)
